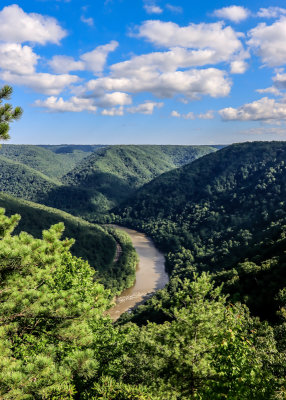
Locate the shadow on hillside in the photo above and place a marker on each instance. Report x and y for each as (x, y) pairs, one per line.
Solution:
(101, 192)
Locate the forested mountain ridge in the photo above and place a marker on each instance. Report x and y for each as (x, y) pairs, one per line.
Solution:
(109, 175)
(92, 243)
(23, 181)
(219, 213)
(53, 161)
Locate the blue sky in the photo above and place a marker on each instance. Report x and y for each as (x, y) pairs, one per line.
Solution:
(143, 71)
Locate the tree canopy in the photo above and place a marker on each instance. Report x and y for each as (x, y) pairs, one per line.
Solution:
(7, 112)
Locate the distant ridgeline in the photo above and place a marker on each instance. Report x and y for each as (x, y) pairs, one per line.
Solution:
(87, 180)
(224, 213)
(221, 220)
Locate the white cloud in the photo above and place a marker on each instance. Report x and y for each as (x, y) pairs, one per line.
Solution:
(208, 115)
(271, 12)
(280, 80)
(269, 42)
(265, 109)
(191, 83)
(167, 61)
(18, 26)
(272, 89)
(145, 108)
(196, 36)
(17, 59)
(114, 99)
(238, 67)
(87, 21)
(174, 9)
(94, 60)
(175, 114)
(112, 112)
(65, 64)
(190, 115)
(152, 9)
(74, 104)
(40, 82)
(233, 13)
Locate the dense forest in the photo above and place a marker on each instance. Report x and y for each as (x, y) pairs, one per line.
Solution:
(109, 175)
(50, 161)
(224, 214)
(217, 331)
(86, 180)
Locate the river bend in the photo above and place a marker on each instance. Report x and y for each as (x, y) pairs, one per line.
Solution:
(150, 274)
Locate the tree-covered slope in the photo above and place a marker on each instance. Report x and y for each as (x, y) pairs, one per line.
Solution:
(109, 175)
(23, 181)
(92, 243)
(224, 212)
(53, 163)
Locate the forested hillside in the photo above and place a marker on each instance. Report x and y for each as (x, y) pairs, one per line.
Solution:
(53, 161)
(92, 243)
(224, 213)
(109, 175)
(23, 181)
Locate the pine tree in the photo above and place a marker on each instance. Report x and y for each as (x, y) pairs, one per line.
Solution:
(51, 319)
(7, 113)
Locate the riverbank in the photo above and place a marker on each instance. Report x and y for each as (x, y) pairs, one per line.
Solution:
(150, 274)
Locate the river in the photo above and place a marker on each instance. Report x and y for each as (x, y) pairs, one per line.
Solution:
(150, 274)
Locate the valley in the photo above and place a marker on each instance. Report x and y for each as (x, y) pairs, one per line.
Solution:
(150, 274)
(214, 217)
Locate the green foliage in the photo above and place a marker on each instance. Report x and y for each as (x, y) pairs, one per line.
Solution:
(109, 389)
(122, 272)
(22, 181)
(93, 243)
(208, 350)
(7, 113)
(50, 316)
(44, 160)
(109, 175)
(227, 210)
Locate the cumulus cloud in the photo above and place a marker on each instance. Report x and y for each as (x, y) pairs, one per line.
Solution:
(114, 99)
(190, 115)
(65, 64)
(272, 90)
(145, 108)
(174, 9)
(113, 112)
(40, 82)
(191, 83)
(238, 67)
(74, 104)
(269, 42)
(18, 27)
(196, 36)
(87, 21)
(232, 13)
(265, 109)
(17, 59)
(152, 9)
(94, 60)
(280, 80)
(271, 12)
(208, 115)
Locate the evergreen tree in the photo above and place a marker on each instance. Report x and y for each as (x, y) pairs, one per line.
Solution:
(51, 319)
(7, 113)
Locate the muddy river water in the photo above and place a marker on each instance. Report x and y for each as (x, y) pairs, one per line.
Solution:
(150, 274)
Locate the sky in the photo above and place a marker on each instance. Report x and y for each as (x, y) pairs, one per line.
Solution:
(144, 71)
